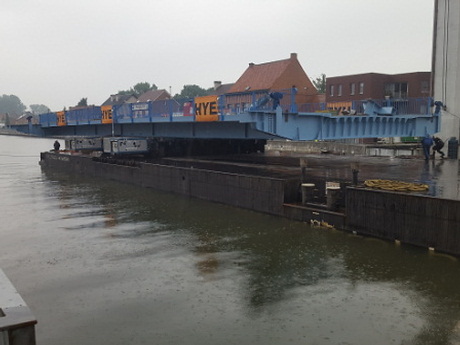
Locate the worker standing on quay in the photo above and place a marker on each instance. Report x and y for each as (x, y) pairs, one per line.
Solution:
(427, 142)
(57, 146)
(438, 145)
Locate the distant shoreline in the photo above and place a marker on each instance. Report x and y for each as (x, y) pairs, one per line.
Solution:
(9, 131)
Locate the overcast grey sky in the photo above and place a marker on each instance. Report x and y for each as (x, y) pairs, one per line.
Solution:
(55, 52)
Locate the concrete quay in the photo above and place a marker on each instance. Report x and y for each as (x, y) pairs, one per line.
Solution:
(340, 148)
(429, 219)
(17, 323)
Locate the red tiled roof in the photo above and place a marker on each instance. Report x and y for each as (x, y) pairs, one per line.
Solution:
(221, 89)
(118, 99)
(260, 77)
(153, 95)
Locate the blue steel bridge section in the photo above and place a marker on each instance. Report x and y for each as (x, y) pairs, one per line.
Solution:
(252, 120)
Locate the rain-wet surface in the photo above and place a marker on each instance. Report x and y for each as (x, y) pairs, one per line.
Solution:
(442, 175)
(100, 262)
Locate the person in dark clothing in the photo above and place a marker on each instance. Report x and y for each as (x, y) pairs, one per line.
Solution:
(276, 96)
(57, 146)
(427, 142)
(438, 145)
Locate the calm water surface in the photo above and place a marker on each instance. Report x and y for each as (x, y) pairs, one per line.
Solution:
(100, 262)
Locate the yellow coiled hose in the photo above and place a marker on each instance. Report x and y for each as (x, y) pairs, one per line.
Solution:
(398, 186)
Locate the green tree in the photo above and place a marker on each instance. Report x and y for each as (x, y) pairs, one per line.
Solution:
(38, 109)
(191, 91)
(83, 102)
(320, 83)
(12, 105)
(138, 89)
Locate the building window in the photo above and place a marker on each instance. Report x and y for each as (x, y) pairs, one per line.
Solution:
(425, 86)
(361, 88)
(352, 88)
(339, 90)
(331, 90)
(396, 90)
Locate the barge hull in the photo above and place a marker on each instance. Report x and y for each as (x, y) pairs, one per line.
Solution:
(258, 193)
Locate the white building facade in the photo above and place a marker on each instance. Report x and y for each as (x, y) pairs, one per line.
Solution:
(446, 65)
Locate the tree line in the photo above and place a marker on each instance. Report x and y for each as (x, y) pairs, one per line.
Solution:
(188, 91)
(12, 106)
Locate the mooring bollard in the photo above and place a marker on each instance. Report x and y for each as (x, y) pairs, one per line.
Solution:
(332, 197)
(355, 177)
(452, 148)
(307, 192)
(303, 168)
(355, 172)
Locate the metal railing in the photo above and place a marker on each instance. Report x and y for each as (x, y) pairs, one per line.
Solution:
(84, 115)
(233, 104)
(410, 106)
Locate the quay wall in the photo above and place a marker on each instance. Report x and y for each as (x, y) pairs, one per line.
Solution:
(17, 323)
(413, 219)
(315, 147)
(312, 147)
(258, 193)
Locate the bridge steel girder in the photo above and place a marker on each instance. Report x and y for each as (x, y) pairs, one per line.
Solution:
(263, 125)
(185, 130)
(193, 130)
(325, 126)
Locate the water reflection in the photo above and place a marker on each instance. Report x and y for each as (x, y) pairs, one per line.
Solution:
(432, 174)
(312, 280)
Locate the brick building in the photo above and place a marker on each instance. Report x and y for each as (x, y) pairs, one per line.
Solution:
(408, 92)
(279, 76)
(376, 86)
(154, 95)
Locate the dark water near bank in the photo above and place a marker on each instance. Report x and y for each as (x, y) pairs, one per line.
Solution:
(106, 263)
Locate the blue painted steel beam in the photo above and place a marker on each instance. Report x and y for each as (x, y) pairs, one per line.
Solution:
(268, 125)
(326, 126)
(163, 119)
